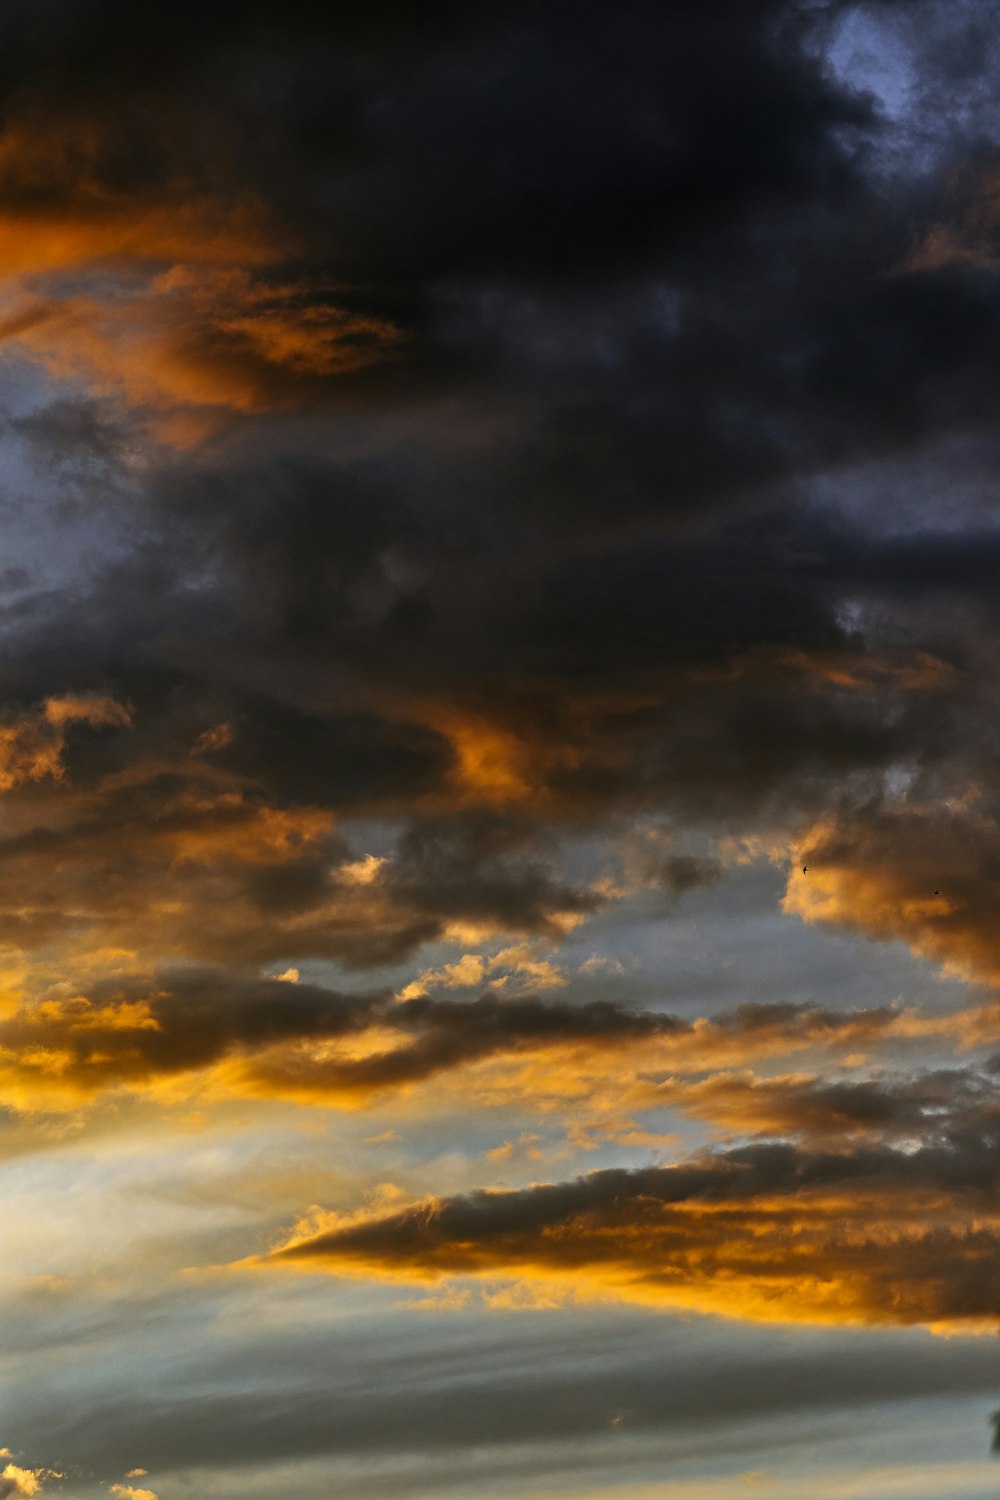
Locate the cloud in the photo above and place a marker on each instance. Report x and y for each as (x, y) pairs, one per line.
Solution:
(98, 1018)
(207, 1030)
(196, 337)
(208, 857)
(903, 1107)
(32, 746)
(425, 1390)
(968, 237)
(772, 1233)
(925, 875)
(520, 967)
(468, 441)
(16, 1481)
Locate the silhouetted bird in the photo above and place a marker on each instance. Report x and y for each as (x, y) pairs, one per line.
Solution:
(804, 869)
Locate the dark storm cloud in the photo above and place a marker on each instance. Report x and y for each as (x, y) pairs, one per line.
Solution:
(607, 134)
(712, 673)
(497, 148)
(357, 761)
(634, 243)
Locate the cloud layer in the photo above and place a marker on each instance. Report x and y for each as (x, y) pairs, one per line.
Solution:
(868, 1236)
(498, 691)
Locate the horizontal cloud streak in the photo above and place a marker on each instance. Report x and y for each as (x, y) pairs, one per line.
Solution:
(768, 1232)
(303, 1041)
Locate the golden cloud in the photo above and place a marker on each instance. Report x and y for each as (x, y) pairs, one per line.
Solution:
(18, 1483)
(32, 746)
(928, 877)
(201, 1033)
(765, 1233)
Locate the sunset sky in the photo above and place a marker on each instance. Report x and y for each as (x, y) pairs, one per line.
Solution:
(499, 749)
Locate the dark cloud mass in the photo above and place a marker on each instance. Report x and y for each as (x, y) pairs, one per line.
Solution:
(646, 287)
(499, 544)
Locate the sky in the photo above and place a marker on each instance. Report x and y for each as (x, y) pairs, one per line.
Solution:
(499, 750)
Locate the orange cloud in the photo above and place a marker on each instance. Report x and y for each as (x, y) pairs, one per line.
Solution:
(168, 296)
(766, 1233)
(31, 747)
(503, 758)
(929, 877)
(840, 1107)
(491, 763)
(200, 1033)
(231, 827)
(196, 336)
(60, 210)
